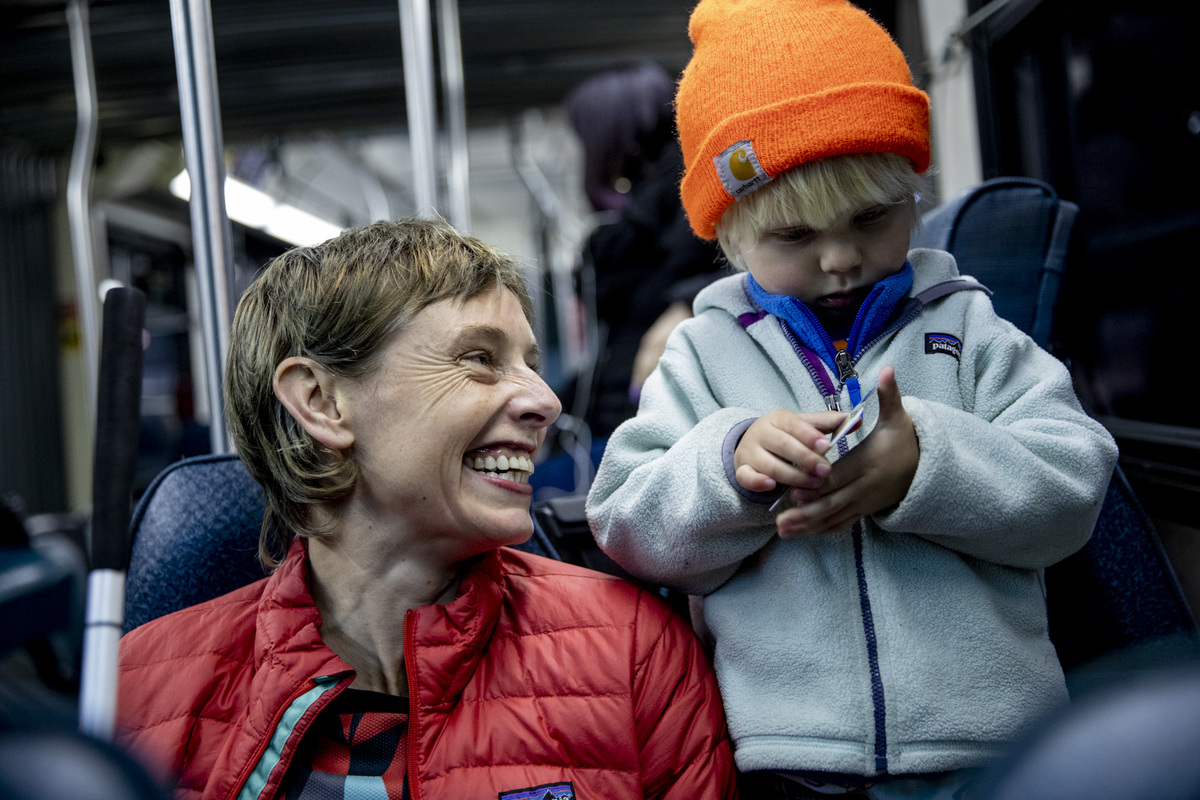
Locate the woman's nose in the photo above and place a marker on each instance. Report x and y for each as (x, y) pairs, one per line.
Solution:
(537, 404)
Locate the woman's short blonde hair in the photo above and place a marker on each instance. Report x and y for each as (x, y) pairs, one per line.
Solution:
(337, 303)
(813, 194)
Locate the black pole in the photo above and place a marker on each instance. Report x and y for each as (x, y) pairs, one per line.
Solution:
(118, 409)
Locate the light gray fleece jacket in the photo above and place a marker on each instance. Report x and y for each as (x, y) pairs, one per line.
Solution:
(916, 641)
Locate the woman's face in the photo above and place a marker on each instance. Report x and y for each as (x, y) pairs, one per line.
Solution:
(456, 396)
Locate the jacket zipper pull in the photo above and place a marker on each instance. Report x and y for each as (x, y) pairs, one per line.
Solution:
(845, 366)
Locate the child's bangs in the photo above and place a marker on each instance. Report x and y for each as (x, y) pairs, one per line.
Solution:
(829, 188)
(814, 194)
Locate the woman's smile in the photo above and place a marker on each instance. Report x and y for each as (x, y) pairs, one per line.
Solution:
(515, 467)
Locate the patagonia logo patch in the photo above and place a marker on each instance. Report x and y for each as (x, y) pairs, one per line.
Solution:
(943, 343)
(739, 170)
(547, 791)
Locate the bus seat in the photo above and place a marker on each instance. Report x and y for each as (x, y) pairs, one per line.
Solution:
(1012, 235)
(195, 537)
(564, 522)
(1119, 593)
(1131, 738)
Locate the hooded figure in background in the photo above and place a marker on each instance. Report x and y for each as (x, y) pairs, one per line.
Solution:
(647, 264)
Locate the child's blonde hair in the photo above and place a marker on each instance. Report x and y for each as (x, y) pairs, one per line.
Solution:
(815, 193)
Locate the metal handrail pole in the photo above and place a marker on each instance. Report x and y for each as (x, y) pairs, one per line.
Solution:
(416, 47)
(79, 189)
(200, 113)
(454, 96)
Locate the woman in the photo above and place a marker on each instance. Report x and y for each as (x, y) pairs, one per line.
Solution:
(383, 389)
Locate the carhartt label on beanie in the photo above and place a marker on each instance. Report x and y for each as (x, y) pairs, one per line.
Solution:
(739, 170)
(818, 78)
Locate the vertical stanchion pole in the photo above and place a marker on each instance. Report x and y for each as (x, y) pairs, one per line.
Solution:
(79, 189)
(212, 251)
(454, 95)
(417, 53)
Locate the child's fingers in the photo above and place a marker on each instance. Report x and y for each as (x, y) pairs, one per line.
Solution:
(808, 519)
(795, 461)
(782, 447)
(800, 439)
(872, 476)
(799, 494)
(824, 511)
(753, 480)
(764, 470)
(890, 405)
(778, 473)
(811, 428)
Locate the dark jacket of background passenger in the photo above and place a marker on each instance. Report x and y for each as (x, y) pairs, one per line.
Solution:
(643, 262)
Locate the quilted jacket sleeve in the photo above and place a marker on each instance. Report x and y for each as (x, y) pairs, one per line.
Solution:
(178, 676)
(684, 746)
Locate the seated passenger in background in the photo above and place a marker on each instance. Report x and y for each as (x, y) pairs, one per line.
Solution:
(887, 632)
(647, 265)
(383, 389)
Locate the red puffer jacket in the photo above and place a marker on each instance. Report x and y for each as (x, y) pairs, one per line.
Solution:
(538, 674)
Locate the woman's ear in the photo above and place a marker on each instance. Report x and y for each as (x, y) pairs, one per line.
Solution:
(309, 393)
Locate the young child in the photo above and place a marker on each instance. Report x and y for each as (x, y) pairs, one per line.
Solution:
(886, 631)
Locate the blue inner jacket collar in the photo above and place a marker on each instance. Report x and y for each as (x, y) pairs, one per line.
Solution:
(872, 317)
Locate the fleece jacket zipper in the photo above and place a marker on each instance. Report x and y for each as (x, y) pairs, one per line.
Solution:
(818, 371)
(832, 395)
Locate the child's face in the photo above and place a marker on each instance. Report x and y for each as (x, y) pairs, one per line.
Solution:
(833, 268)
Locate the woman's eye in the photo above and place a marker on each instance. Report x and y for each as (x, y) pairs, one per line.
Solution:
(481, 357)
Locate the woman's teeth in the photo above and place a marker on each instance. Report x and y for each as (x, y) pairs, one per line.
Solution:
(511, 468)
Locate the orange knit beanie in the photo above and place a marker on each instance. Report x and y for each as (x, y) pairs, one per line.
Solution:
(774, 84)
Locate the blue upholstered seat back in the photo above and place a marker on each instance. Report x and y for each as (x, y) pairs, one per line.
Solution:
(1012, 235)
(195, 537)
(1120, 591)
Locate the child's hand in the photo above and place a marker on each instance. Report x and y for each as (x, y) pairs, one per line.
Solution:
(784, 447)
(873, 476)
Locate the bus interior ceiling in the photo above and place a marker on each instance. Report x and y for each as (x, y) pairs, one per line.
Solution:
(1086, 96)
(313, 111)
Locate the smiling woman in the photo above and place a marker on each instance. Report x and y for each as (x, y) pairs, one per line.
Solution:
(383, 388)
(467, 368)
